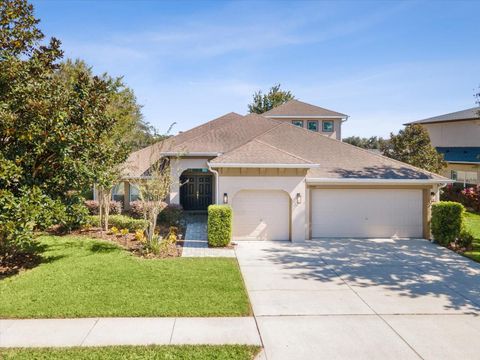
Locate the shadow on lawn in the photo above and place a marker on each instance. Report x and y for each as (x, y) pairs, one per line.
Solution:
(11, 265)
(103, 247)
(409, 267)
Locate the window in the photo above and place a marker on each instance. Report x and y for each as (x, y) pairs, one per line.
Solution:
(465, 177)
(312, 125)
(298, 123)
(118, 193)
(134, 193)
(327, 126)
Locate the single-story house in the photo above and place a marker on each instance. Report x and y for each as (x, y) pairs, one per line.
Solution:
(457, 136)
(288, 176)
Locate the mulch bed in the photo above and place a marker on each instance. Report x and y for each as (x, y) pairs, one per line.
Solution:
(128, 242)
(12, 265)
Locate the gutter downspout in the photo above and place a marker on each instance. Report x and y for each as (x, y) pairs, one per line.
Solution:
(215, 172)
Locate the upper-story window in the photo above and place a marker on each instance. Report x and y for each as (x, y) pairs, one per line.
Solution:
(327, 126)
(312, 125)
(298, 123)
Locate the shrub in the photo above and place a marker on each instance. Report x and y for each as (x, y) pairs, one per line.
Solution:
(76, 214)
(465, 239)
(447, 221)
(219, 225)
(469, 197)
(115, 207)
(121, 222)
(20, 214)
(137, 208)
(171, 215)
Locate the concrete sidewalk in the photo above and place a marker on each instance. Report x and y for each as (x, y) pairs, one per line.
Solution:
(128, 331)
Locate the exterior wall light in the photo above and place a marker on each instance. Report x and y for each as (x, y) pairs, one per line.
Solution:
(299, 198)
(225, 198)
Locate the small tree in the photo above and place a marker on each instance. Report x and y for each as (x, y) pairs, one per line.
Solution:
(264, 102)
(155, 188)
(412, 145)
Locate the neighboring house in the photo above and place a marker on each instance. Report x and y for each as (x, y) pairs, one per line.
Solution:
(457, 137)
(288, 183)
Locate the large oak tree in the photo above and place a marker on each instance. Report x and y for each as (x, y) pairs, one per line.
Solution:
(412, 145)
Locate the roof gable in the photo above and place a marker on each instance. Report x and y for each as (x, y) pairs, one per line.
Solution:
(258, 152)
(299, 108)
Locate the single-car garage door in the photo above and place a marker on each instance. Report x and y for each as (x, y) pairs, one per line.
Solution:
(367, 213)
(261, 215)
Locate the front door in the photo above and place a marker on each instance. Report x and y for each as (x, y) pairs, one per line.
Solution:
(196, 192)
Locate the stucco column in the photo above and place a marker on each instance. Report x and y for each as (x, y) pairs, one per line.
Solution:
(299, 213)
(126, 191)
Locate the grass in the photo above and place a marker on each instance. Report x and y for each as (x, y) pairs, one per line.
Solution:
(82, 277)
(473, 224)
(227, 352)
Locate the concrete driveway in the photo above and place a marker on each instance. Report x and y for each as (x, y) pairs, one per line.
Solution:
(363, 299)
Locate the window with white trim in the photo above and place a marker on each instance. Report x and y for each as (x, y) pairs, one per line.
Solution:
(327, 125)
(298, 123)
(312, 125)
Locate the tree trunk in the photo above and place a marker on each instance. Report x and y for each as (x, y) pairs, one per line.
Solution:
(104, 196)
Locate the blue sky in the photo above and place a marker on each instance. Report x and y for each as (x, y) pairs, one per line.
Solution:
(381, 62)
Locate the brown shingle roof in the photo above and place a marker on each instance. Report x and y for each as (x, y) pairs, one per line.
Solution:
(230, 135)
(335, 159)
(300, 108)
(217, 136)
(258, 152)
(255, 139)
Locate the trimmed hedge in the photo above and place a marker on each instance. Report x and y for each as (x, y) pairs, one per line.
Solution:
(121, 222)
(219, 225)
(447, 221)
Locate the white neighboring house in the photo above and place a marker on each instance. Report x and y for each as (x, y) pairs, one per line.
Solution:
(290, 182)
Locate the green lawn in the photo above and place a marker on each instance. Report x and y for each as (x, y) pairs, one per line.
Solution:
(473, 224)
(88, 278)
(226, 352)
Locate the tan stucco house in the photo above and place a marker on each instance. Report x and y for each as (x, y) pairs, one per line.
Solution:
(287, 179)
(457, 136)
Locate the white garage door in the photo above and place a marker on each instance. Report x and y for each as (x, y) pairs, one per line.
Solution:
(261, 215)
(367, 213)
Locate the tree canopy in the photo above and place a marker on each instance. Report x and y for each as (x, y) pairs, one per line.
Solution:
(371, 143)
(264, 102)
(412, 145)
(62, 128)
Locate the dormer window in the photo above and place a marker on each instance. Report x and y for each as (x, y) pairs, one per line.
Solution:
(298, 123)
(312, 125)
(327, 125)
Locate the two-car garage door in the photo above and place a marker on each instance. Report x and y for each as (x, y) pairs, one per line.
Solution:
(367, 213)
